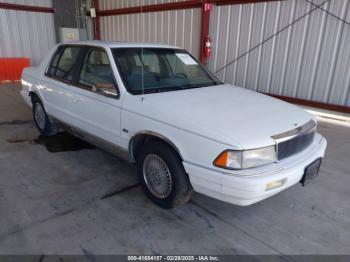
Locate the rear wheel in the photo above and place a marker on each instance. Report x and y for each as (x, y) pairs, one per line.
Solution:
(162, 175)
(42, 121)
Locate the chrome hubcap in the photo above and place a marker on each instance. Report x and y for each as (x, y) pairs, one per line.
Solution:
(157, 176)
(39, 115)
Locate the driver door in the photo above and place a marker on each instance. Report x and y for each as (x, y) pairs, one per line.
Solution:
(96, 104)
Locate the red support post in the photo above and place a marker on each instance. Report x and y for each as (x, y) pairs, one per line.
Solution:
(206, 10)
(96, 20)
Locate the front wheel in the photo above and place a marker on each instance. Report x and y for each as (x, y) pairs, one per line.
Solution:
(162, 175)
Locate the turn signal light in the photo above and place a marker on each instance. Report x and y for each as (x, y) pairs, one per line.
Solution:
(229, 160)
(222, 160)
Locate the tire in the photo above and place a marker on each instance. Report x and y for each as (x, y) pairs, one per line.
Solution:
(156, 155)
(42, 121)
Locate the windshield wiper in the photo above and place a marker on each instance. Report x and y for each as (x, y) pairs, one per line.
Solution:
(189, 86)
(176, 87)
(163, 89)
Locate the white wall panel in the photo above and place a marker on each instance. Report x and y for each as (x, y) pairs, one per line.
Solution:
(308, 60)
(180, 28)
(26, 34)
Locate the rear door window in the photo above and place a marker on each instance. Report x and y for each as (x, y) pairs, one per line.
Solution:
(63, 63)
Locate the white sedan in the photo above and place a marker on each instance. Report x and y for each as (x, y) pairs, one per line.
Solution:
(156, 106)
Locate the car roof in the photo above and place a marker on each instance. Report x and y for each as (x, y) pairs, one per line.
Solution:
(112, 44)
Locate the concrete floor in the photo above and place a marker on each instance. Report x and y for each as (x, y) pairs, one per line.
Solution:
(90, 202)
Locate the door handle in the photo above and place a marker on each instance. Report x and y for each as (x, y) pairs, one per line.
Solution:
(76, 99)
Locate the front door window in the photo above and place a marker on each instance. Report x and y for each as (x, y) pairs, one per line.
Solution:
(97, 75)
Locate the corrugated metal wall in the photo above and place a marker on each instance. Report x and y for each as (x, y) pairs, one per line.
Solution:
(180, 28)
(26, 34)
(308, 60)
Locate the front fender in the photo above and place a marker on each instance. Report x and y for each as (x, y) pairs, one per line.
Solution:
(192, 147)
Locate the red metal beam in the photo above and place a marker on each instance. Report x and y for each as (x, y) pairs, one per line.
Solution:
(238, 2)
(96, 20)
(28, 8)
(153, 8)
(302, 102)
(174, 6)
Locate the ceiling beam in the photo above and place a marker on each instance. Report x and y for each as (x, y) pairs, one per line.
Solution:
(238, 2)
(174, 6)
(152, 8)
(28, 8)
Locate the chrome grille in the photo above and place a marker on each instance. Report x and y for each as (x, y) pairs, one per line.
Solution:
(295, 141)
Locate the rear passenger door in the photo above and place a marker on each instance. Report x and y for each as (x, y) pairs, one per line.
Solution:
(57, 87)
(97, 106)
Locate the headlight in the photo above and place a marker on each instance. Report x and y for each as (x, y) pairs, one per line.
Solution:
(231, 159)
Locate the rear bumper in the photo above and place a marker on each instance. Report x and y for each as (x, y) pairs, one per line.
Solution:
(248, 189)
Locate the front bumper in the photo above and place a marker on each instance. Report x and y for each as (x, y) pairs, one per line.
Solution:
(250, 188)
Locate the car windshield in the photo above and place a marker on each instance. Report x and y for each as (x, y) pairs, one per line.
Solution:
(160, 70)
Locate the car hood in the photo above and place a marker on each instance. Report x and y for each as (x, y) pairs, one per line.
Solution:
(235, 116)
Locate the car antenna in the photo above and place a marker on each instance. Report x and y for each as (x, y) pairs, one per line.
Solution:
(142, 40)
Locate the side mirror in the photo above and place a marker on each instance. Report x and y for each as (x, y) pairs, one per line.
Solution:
(108, 90)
